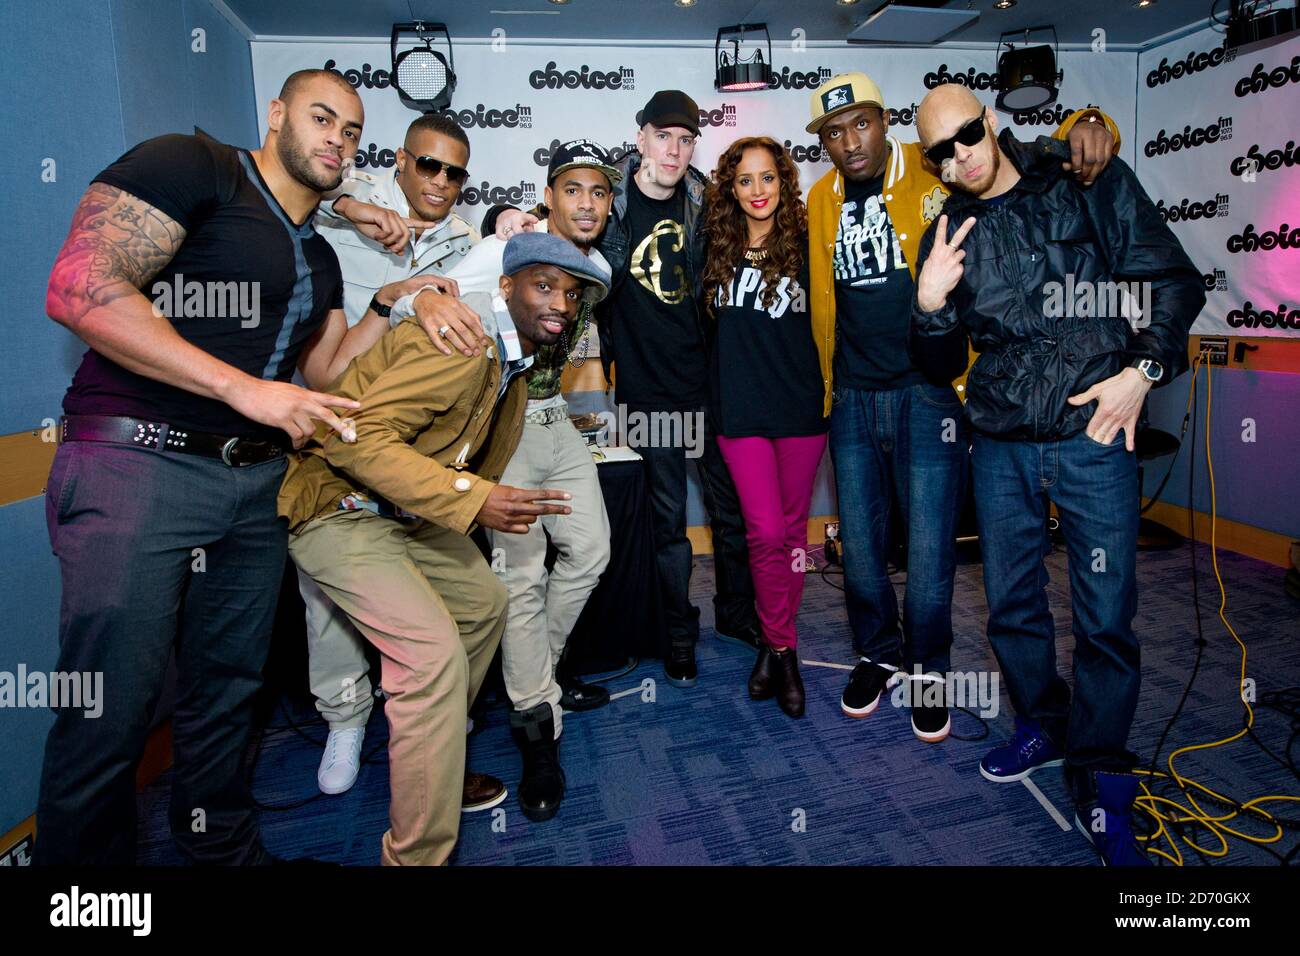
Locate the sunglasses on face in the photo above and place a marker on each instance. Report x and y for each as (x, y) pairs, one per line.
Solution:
(429, 168)
(972, 132)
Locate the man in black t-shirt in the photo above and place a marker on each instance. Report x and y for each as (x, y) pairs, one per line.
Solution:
(194, 274)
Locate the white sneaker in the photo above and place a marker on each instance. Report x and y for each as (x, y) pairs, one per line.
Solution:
(341, 762)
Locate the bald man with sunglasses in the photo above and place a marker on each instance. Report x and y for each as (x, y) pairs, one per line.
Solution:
(1053, 403)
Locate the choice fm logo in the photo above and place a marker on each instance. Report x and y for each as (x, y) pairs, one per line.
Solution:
(972, 79)
(802, 153)
(1216, 281)
(521, 117)
(1259, 161)
(724, 115)
(542, 155)
(550, 78)
(384, 158)
(1189, 138)
(1195, 62)
(903, 116)
(1252, 318)
(378, 80)
(1050, 116)
(1248, 240)
(1259, 81)
(799, 80)
(485, 194)
(1187, 210)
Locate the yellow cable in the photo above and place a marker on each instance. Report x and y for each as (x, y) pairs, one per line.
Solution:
(1148, 802)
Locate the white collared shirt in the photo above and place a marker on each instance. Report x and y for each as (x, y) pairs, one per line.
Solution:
(366, 264)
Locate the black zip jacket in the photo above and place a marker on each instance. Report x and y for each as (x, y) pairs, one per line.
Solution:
(1039, 343)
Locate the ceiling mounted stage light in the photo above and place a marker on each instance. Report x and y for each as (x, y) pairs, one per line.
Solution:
(734, 74)
(423, 77)
(1027, 77)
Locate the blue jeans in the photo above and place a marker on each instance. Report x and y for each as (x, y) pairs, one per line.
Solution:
(159, 553)
(1094, 487)
(911, 444)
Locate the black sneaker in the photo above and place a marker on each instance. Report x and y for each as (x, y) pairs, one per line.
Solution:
(579, 695)
(679, 665)
(928, 699)
(866, 683)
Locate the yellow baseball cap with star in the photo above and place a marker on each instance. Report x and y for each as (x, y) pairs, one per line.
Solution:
(843, 92)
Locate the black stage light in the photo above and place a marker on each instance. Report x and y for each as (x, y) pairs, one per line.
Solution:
(733, 74)
(423, 77)
(1027, 77)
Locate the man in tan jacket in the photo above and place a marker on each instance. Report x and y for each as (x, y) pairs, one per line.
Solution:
(379, 515)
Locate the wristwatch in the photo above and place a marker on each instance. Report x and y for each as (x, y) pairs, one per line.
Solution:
(383, 311)
(1151, 370)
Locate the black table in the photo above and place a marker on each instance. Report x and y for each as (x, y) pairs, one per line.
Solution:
(623, 619)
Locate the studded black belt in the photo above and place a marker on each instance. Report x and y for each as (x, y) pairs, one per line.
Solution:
(160, 436)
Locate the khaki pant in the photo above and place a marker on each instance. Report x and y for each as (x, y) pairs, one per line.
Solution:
(544, 608)
(337, 668)
(427, 600)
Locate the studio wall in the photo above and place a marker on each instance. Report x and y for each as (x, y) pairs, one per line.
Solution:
(1218, 144)
(1217, 150)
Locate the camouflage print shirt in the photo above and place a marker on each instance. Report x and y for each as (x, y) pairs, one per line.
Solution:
(549, 360)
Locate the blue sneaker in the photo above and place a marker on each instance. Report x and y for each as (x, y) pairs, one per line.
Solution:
(1107, 822)
(1028, 750)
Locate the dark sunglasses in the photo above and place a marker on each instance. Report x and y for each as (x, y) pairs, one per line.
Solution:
(970, 134)
(429, 168)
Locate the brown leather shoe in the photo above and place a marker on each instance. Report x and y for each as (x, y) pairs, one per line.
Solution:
(762, 679)
(482, 792)
(789, 685)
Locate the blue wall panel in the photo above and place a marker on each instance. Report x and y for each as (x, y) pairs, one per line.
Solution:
(222, 78)
(29, 587)
(72, 117)
(1254, 480)
(153, 62)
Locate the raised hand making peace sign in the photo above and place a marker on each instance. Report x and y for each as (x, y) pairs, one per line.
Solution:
(943, 269)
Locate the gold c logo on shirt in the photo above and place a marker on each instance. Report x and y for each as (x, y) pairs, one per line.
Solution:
(651, 275)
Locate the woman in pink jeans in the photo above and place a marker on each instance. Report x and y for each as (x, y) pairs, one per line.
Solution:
(766, 386)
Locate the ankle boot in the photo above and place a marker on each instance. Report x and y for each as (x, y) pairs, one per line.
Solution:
(542, 785)
(762, 679)
(789, 685)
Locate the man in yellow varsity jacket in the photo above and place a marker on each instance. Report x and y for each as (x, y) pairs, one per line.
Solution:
(893, 432)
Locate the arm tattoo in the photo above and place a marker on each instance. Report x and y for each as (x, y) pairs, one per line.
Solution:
(116, 244)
